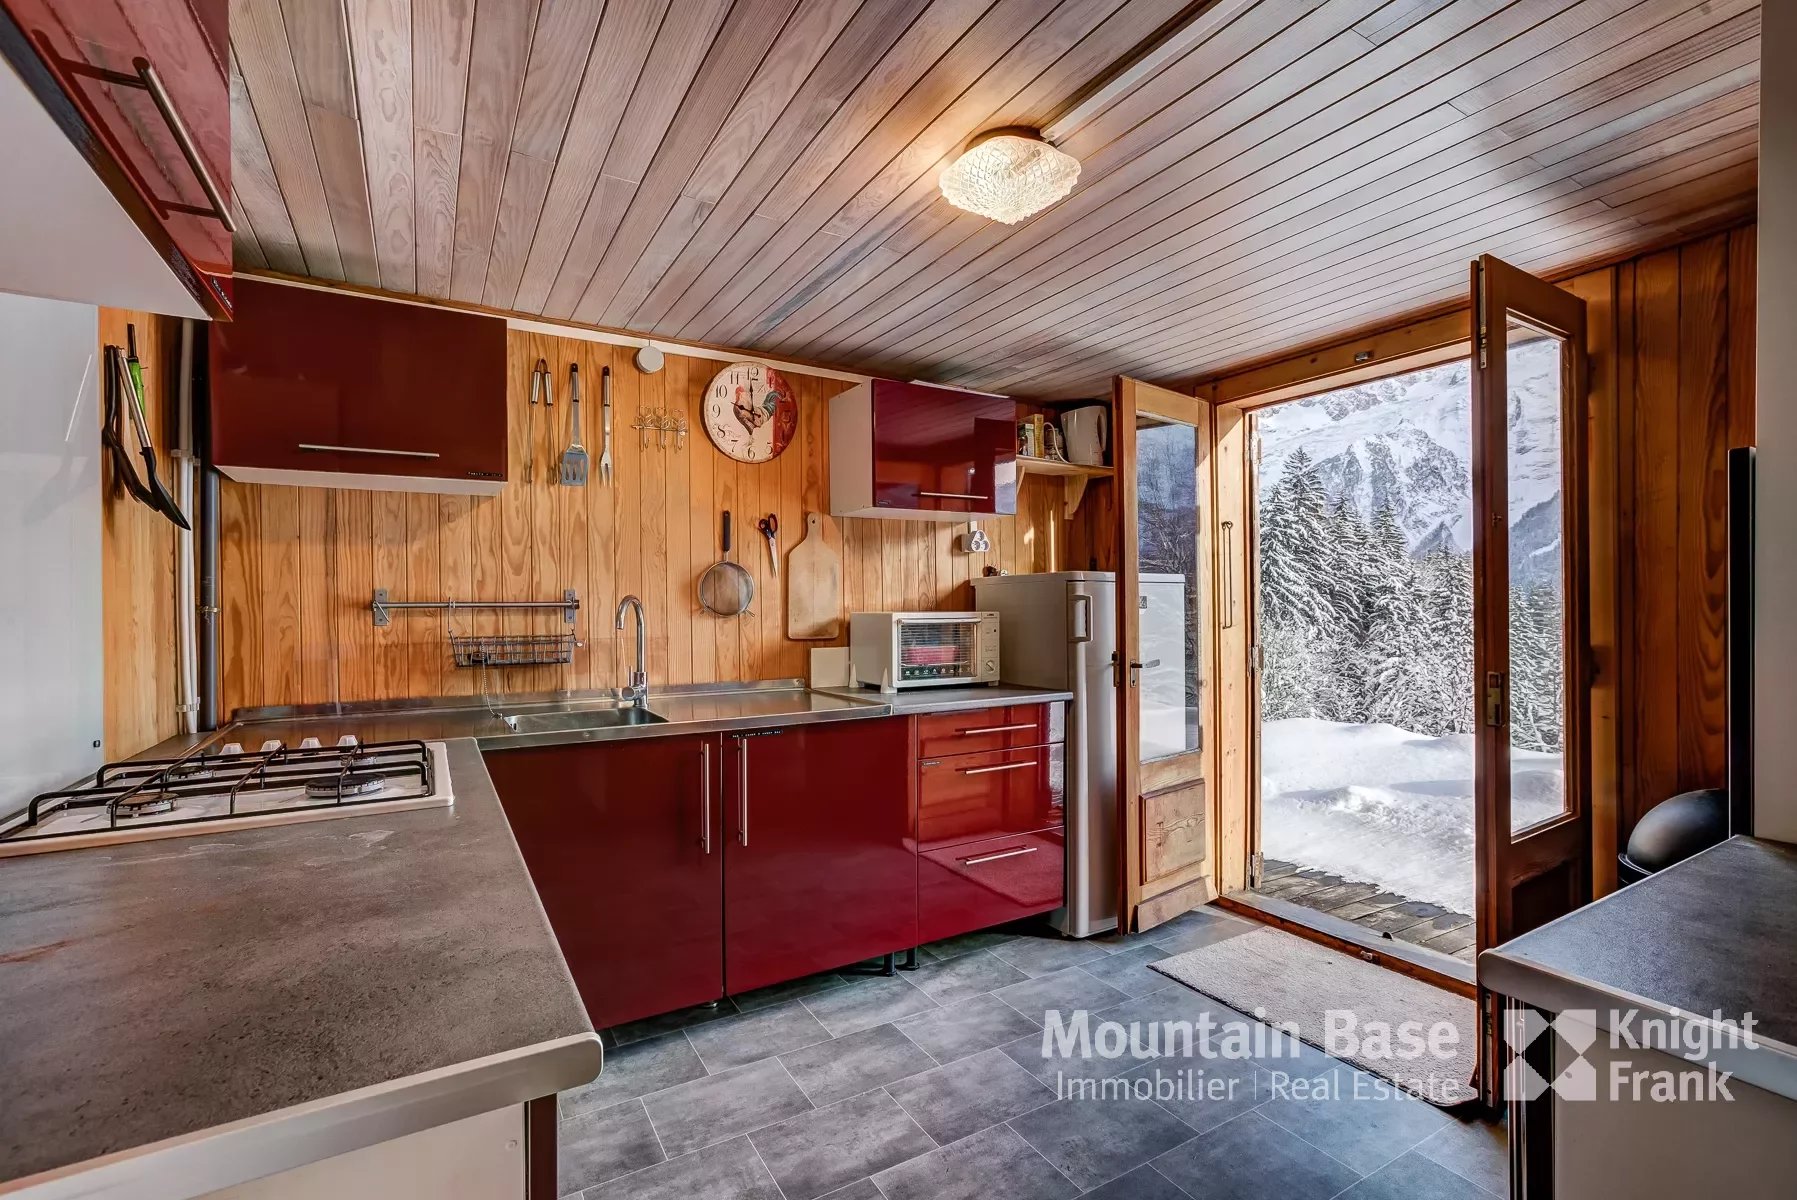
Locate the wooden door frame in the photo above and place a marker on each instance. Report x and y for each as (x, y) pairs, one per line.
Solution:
(1188, 888)
(1503, 862)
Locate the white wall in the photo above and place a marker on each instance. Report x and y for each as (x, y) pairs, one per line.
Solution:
(1775, 565)
(50, 653)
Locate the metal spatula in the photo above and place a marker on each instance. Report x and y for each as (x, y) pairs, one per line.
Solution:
(574, 458)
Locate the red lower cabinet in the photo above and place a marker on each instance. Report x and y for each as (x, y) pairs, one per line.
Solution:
(978, 884)
(625, 847)
(822, 865)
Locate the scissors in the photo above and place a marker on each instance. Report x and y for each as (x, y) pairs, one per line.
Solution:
(770, 529)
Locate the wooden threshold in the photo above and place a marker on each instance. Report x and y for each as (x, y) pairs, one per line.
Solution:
(1429, 966)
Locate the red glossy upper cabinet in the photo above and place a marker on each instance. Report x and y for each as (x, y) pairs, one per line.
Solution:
(916, 451)
(319, 387)
(141, 90)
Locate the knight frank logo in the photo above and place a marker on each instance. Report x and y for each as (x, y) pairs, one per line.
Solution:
(1656, 1058)
(1576, 1078)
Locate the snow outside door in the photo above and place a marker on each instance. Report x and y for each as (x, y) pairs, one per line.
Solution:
(1162, 445)
(1530, 657)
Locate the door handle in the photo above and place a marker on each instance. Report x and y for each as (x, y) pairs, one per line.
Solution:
(1016, 766)
(742, 791)
(996, 729)
(1228, 576)
(319, 448)
(705, 795)
(955, 495)
(1074, 634)
(986, 858)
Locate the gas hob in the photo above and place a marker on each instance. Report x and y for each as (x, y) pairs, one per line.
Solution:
(232, 788)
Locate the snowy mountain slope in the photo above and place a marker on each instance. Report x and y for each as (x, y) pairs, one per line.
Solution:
(1407, 442)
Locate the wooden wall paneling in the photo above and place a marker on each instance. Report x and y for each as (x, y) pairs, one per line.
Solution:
(243, 604)
(421, 673)
(352, 579)
(702, 522)
(255, 186)
(456, 542)
(1702, 510)
(137, 562)
(315, 643)
(657, 511)
(1598, 290)
(1628, 517)
(276, 590)
(1742, 282)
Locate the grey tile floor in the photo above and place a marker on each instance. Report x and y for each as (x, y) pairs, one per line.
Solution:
(932, 1086)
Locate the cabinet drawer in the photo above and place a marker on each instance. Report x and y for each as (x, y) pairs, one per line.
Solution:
(972, 796)
(979, 884)
(1005, 728)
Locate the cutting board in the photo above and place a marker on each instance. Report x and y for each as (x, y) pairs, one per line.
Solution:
(813, 585)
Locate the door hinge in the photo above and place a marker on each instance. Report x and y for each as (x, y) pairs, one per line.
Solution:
(1254, 659)
(1257, 865)
(1497, 700)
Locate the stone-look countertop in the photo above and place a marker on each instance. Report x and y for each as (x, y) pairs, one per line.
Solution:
(1716, 932)
(919, 701)
(399, 963)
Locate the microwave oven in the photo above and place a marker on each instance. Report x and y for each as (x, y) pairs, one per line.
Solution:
(893, 650)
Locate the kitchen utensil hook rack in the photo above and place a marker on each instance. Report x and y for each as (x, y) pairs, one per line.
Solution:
(383, 607)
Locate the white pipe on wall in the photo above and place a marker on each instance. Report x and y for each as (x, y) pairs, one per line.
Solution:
(186, 615)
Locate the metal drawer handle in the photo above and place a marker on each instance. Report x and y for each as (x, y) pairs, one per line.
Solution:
(995, 729)
(986, 858)
(742, 768)
(955, 495)
(152, 83)
(1017, 766)
(317, 447)
(705, 795)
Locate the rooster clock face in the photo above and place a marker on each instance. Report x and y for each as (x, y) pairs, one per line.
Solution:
(750, 412)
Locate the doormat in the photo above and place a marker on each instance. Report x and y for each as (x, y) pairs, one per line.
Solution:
(1292, 980)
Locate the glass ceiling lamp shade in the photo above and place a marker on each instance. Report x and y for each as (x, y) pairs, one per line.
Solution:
(1009, 174)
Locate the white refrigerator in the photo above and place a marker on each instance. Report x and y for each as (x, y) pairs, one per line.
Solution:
(1058, 630)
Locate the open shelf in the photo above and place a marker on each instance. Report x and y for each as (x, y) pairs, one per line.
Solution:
(1075, 477)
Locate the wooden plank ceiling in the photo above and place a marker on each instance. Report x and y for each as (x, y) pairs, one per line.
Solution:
(762, 173)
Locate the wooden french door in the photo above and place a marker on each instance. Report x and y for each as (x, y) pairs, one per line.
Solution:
(1530, 657)
(1166, 651)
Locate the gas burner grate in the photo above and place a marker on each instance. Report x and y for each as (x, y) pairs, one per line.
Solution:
(345, 775)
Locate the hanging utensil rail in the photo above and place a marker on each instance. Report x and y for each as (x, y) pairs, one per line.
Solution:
(383, 608)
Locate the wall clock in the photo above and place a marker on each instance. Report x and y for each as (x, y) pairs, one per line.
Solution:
(750, 412)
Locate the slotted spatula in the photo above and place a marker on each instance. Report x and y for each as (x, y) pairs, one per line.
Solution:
(574, 458)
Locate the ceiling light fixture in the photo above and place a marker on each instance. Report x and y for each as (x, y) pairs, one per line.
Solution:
(1015, 172)
(1009, 174)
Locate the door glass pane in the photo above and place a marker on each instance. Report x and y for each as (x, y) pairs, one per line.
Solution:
(1167, 539)
(1537, 583)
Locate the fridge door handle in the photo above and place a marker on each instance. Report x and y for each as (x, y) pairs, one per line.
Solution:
(1081, 602)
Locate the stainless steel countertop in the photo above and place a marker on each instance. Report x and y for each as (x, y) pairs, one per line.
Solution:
(547, 720)
(1712, 933)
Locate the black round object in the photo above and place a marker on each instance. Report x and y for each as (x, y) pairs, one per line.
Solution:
(1676, 829)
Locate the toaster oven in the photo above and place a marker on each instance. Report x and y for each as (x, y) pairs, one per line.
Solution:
(894, 650)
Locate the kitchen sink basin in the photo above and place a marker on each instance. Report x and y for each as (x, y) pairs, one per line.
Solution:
(589, 718)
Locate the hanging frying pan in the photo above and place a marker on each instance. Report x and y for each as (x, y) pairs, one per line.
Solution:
(726, 589)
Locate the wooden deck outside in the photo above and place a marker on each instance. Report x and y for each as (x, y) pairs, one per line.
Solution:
(1416, 921)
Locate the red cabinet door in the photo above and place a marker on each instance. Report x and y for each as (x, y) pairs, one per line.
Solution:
(108, 56)
(822, 866)
(319, 381)
(938, 449)
(624, 845)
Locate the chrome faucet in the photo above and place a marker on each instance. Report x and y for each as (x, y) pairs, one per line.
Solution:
(639, 678)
